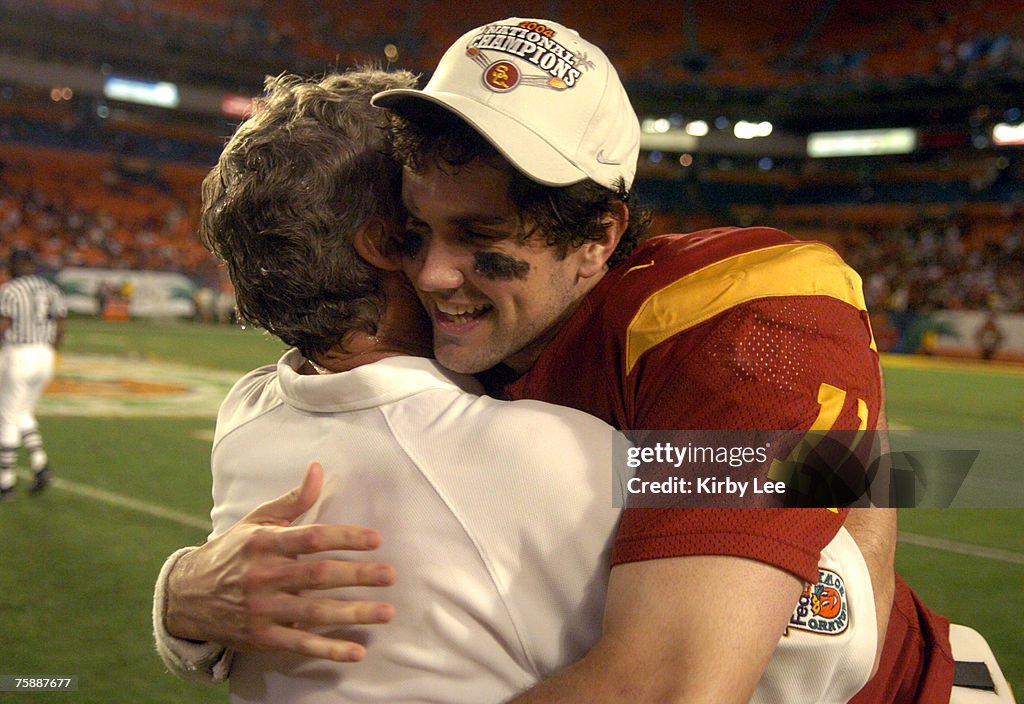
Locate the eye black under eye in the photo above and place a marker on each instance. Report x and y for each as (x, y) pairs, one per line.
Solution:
(409, 244)
(495, 265)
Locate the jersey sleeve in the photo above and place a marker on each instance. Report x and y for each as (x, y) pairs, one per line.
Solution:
(790, 539)
(773, 363)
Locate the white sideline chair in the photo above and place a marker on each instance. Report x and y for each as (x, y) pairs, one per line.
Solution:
(969, 646)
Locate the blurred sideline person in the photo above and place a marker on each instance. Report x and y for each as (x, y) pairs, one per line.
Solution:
(989, 336)
(467, 489)
(32, 312)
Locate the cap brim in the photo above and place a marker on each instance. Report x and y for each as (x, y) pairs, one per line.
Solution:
(529, 153)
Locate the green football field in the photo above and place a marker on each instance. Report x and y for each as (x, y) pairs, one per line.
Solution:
(128, 424)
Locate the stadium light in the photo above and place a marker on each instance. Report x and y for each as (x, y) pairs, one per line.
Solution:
(659, 125)
(862, 142)
(670, 141)
(697, 128)
(751, 130)
(163, 94)
(1004, 134)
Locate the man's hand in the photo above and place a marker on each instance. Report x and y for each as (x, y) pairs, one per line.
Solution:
(242, 589)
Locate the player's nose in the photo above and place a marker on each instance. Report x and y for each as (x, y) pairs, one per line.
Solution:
(440, 266)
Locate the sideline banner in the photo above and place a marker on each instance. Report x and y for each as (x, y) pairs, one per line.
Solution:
(135, 294)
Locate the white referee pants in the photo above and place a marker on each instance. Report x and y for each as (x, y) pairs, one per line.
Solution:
(25, 370)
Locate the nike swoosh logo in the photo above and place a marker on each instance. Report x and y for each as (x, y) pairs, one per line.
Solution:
(601, 159)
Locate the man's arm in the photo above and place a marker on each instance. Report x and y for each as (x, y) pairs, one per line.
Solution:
(242, 589)
(874, 531)
(693, 629)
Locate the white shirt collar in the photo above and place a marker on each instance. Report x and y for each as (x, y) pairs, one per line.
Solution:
(366, 386)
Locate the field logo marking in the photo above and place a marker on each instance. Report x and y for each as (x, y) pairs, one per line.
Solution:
(109, 386)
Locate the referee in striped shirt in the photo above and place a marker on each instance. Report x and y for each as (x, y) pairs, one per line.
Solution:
(32, 312)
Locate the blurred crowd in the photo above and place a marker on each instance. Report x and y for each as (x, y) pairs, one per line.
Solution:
(104, 220)
(237, 27)
(937, 39)
(925, 266)
(852, 41)
(913, 271)
(124, 218)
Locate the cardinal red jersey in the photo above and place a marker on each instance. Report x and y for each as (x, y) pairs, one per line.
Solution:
(732, 329)
(727, 329)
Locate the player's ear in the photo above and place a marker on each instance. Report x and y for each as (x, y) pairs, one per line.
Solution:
(372, 241)
(595, 253)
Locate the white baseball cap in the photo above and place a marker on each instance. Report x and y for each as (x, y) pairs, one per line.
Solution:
(546, 98)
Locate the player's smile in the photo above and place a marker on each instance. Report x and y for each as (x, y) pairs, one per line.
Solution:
(454, 318)
(452, 315)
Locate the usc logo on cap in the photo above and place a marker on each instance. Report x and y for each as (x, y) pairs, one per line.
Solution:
(501, 76)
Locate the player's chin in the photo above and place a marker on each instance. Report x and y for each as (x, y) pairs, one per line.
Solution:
(463, 358)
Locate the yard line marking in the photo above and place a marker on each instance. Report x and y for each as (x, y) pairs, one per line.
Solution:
(121, 501)
(191, 521)
(955, 546)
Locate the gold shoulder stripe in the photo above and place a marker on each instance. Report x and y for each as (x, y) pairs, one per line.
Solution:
(792, 269)
(639, 266)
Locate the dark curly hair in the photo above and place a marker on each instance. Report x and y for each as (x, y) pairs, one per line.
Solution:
(292, 186)
(422, 133)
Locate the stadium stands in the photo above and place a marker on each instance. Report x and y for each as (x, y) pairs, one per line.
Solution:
(89, 209)
(769, 43)
(123, 190)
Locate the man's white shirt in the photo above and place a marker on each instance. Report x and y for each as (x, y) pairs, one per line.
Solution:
(497, 516)
(499, 519)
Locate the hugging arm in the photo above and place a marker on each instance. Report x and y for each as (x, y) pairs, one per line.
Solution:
(667, 636)
(246, 589)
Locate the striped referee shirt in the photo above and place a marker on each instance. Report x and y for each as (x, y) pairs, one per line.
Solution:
(33, 305)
